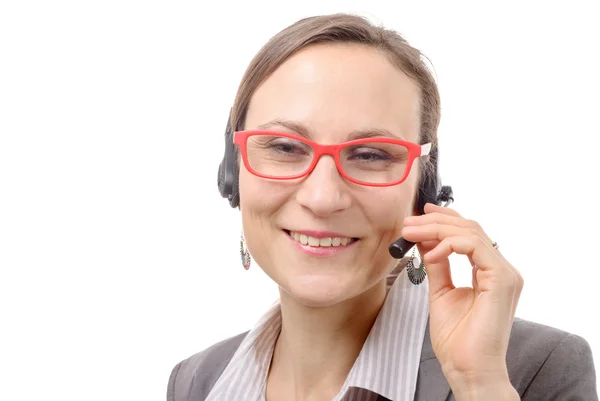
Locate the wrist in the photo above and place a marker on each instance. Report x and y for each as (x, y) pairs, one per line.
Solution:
(495, 387)
(495, 392)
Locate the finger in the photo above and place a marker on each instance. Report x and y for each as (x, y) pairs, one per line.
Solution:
(438, 276)
(474, 271)
(473, 246)
(502, 303)
(432, 208)
(491, 280)
(441, 218)
(492, 274)
(436, 214)
(433, 231)
(426, 246)
(518, 290)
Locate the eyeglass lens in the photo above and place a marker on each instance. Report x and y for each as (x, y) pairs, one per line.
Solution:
(371, 162)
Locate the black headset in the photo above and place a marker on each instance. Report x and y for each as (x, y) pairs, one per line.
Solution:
(430, 187)
(228, 180)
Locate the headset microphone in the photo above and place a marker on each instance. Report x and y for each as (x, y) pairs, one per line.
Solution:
(400, 247)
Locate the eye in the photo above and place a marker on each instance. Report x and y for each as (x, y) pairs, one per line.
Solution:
(364, 153)
(288, 146)
(376, 155)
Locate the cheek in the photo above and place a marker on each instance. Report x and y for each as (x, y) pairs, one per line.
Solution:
(249, 191)
(387, 211)
(261, 202)
(260, 197)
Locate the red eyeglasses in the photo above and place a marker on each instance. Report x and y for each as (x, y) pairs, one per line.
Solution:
(377, 162)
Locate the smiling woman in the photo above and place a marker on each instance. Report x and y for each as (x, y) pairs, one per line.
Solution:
(331, 150)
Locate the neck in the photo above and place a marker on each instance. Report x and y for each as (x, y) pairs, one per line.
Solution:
(318, 346)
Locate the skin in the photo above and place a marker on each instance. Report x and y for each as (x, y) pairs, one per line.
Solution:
(330, 303)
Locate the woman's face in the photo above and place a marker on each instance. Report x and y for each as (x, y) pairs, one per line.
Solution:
(330, 91)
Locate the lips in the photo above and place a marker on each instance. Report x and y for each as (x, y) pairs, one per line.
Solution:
(322, 240)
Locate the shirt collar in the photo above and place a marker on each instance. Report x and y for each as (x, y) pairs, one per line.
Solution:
(388, 363)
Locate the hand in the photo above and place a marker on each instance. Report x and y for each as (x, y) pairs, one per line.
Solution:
(470, 327)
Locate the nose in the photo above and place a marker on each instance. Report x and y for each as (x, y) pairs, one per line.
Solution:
(324, 191)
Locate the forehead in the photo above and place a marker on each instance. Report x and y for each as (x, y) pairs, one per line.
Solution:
(334, 89)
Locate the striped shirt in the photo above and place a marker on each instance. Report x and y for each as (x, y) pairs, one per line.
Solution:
(386, 366)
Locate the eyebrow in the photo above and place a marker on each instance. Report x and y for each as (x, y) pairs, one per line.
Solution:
(304, 131)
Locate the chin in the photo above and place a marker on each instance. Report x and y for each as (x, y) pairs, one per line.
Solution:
(319, 291)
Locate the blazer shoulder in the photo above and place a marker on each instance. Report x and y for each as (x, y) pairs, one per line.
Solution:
(193, 378)
(533, 340)
(545, 361)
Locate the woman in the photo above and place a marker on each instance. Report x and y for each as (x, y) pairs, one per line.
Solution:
(334, 157)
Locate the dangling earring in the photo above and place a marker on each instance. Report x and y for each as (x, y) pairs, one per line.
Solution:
(244, 253)
(416, 276)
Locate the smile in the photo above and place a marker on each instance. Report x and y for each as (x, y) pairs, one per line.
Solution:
(320, 241)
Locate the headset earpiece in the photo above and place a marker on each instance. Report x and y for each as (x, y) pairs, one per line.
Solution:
(227, 180)
(430, 185)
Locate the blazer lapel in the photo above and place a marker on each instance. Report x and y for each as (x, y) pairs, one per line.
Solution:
(431, 382)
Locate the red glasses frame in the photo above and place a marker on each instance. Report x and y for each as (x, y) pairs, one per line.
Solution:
(240, 138)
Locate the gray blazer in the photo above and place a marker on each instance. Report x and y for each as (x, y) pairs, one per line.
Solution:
(544, 363)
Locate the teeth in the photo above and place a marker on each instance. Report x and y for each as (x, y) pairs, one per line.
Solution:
(303, 238)
(313, 241)
(325, 242)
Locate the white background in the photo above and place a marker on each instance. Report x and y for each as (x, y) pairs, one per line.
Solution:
(118, 257)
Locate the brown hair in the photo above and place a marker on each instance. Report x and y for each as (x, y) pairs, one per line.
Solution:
(344, 28)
